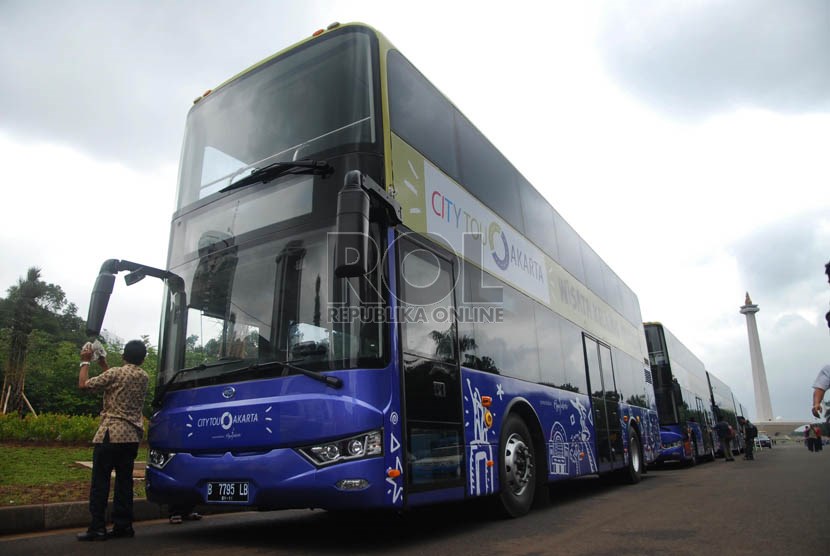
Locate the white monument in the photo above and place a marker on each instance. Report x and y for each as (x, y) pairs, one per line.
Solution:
(763, 405)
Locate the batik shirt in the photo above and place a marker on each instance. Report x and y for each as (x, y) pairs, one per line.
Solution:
(124, 391)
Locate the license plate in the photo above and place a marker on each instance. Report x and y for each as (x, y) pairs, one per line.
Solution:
(227, 492)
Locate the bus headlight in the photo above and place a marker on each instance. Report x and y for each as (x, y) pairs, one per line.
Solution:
(158, 459)
(347, 449)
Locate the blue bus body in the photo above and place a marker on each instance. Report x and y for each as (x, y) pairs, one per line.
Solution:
(257, 434)
(260, 429)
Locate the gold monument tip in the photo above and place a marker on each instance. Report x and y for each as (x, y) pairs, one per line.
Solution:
(747, 301)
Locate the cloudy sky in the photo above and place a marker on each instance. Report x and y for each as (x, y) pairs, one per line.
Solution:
(686, 142)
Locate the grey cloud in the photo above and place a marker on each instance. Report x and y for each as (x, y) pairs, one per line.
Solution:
(793, 350)
(782, 266)
(785, 257)
(693, 60)
(116, 79)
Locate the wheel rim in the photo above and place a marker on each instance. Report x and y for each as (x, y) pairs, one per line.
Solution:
(518, 464)
(635, 455)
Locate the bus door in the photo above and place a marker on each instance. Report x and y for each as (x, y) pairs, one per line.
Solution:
(431, 373)
(605, 402)
(707, 425)
(700, 419)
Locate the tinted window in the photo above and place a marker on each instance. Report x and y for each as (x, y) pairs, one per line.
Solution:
(507, 347)
(592, 362)
(631, 381)
(570, 256)
(607, 370)
(593, 270)
(313, 100)
(421, 115)
(613, 290)
(573, 355)
(487, 174)
(549, 338)
(631, 306)
(538, 219)
(266, 300)
(426, 284)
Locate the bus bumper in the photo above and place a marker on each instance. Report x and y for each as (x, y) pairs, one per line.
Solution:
(671, 447)
(278, 479)
(675, 453)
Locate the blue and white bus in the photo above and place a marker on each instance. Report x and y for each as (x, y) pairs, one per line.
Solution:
(683, 398)
(368, 306)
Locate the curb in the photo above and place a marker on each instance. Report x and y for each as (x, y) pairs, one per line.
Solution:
(40, 517)
(16, 520)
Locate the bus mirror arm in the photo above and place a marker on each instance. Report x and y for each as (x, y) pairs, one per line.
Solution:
(354, 202)
(383, 205)
(102, 290)
(384, 202)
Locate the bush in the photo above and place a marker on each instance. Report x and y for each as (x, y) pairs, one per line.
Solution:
(48, 427)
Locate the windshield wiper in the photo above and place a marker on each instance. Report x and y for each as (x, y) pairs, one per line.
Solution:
(277, 169)
(200, 367)
(333, 381)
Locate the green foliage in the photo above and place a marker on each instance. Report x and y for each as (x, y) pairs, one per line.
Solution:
(52, 374)
(54, 345)
(50, 427)
(52, 312)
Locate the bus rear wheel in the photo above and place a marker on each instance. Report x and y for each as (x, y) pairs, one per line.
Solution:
(517, 469)
(634, 472)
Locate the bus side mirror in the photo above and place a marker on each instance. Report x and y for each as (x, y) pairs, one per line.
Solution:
(98, 303)
(351, 252)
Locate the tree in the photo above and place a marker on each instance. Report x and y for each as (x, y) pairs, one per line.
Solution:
(24, 299)
(54, 339)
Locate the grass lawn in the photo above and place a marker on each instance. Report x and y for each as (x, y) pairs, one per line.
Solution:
(42, 474)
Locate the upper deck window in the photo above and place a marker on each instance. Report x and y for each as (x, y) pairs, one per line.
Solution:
(420, 114)
(425, 119)
(312, 102)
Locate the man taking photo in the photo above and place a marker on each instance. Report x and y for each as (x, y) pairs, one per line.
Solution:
(116, 441)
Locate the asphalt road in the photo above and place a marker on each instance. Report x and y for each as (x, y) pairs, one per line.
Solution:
(778, 504)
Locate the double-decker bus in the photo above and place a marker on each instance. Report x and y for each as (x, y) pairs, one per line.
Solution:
(683, 398)
(723, 406)
(367, 306)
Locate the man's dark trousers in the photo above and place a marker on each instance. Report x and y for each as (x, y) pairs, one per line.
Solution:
(106, 458)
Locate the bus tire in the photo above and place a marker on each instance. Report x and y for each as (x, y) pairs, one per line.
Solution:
(517, 469)
(634, 472)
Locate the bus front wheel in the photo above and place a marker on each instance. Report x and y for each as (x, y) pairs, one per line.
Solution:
(633, 473)
(517, 469)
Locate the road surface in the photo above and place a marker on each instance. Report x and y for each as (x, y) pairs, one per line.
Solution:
(778, 504)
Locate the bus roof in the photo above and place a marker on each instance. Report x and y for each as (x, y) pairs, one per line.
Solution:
(316, 34)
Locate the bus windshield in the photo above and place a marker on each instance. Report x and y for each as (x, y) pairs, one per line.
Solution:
(267, 299)
(315, 101)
